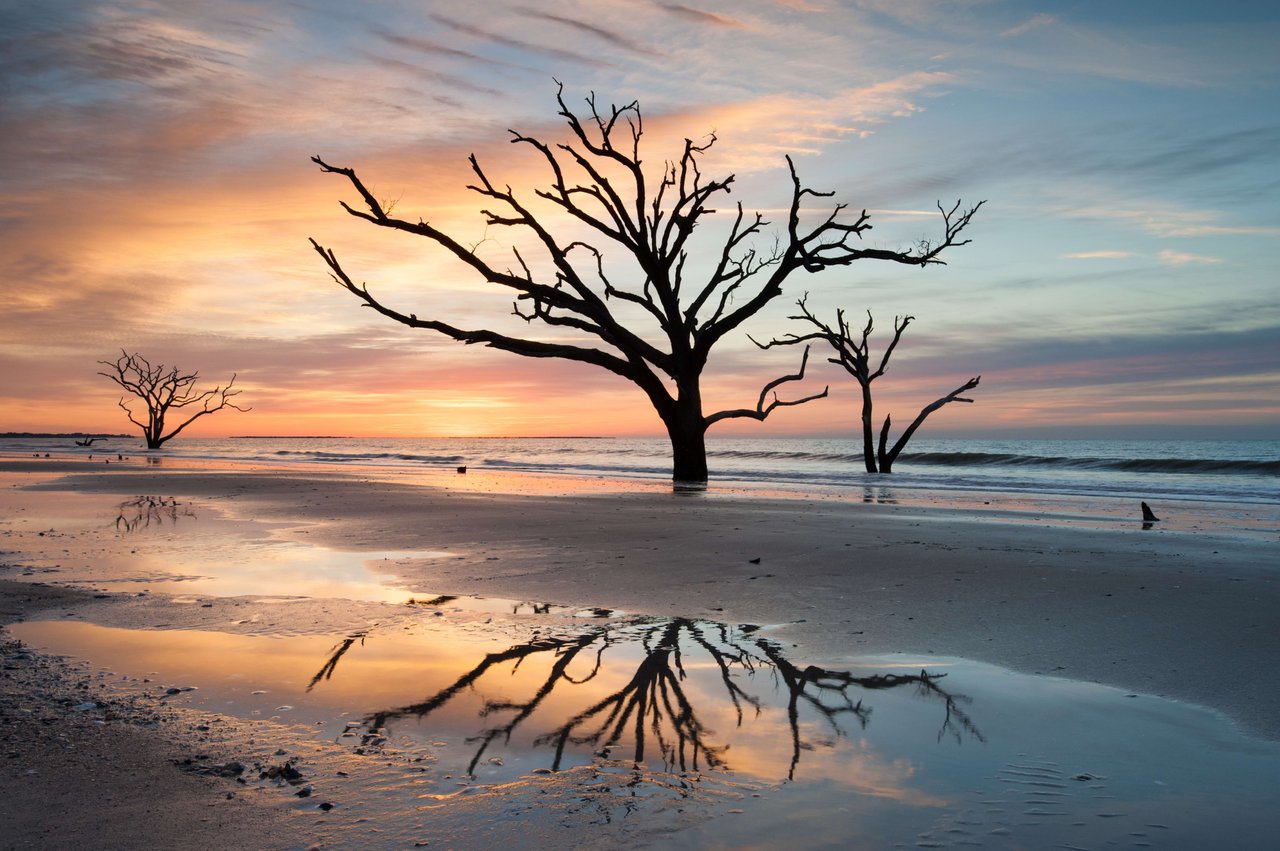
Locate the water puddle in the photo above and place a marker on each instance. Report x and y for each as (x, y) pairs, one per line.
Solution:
(478, 722)
(158, 543)
(705, 734)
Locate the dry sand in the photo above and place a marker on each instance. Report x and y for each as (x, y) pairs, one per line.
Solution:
(1192, 615)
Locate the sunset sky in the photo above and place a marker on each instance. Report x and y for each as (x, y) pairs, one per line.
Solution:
(1123, 279)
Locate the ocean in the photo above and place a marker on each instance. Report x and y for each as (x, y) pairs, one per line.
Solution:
(1233, 471)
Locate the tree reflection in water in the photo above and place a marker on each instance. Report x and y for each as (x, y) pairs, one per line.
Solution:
(655, 707)
(142, 512)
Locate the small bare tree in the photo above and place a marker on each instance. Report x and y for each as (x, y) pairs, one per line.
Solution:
(647, 218)
(854, 354)
(165, 391)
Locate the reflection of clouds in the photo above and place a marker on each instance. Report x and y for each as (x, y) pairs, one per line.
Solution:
(674, 693)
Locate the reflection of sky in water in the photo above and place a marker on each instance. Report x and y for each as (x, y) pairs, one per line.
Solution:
(980, 755)
(192, 547)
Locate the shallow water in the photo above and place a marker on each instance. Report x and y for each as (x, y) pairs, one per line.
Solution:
(190, 547)
(461, 720)
(1244, 472)
(774, 750)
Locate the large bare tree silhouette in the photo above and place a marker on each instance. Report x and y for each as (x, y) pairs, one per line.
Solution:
(597, 182)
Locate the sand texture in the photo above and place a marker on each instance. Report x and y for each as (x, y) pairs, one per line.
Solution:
(1167, 611)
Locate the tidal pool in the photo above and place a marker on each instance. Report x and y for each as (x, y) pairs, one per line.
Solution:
(193, 547)
(470, 722)
(715, 732)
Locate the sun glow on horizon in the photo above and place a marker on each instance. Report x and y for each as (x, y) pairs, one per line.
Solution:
(161, 197)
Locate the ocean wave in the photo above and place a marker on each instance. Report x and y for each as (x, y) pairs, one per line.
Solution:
(356, 457)
(600, 465)
(1128, 465)
(1003, 459)
(784, 455)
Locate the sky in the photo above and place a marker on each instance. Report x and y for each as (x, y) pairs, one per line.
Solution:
(1123, 278)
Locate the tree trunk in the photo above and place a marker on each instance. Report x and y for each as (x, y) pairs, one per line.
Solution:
(868, 431)
(687, 429)
(688, 455)
(886, 460)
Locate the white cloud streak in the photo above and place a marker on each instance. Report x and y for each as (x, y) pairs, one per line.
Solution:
(1183, 258)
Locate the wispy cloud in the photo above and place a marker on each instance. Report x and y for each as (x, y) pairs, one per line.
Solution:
(431, 47)
(1098, 255)
(1167, 221)
(1041, 20)
(487, 35)
(757, 133)
(1182, 258)
(700, 17)
(451, 81)
(155, 193)
(606, 35)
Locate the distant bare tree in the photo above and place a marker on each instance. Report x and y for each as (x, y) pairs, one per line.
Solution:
(854, 354)
(648, 219)
(165, 391)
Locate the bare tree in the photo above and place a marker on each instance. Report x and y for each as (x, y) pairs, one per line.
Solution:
(854, 354)
(168, 394)
(597, 180)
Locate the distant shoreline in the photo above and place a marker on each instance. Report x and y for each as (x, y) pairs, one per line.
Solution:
(476, 437)
(62, 434)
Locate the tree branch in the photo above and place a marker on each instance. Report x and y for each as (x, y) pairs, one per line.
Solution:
(953, 396)
(763, 410)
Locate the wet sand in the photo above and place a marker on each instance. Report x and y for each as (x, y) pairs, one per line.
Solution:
(1188, 609)
(81, 770)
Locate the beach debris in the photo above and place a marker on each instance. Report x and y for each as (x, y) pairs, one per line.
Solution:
(1148, 516)
(462, 469)
(285, 771)
(234, 768)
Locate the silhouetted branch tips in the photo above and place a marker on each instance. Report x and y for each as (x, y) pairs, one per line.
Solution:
(596, 180)
(164, 391)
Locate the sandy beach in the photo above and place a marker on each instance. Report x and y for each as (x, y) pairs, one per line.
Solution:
(1188, 610)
